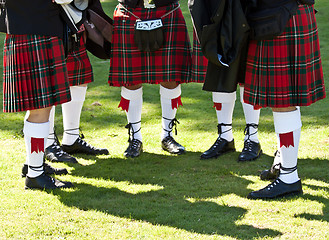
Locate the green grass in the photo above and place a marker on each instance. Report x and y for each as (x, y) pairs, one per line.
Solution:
(159, 196)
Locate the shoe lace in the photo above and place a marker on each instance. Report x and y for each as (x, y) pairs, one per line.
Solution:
(134, 144)
(247, 130)
(271, 185)
(219, 128)
(172, 124)
(81, 136)
(56, 145)
(220, 132)
(37, 168)
(84, 143)
(131, 131)
(59, 151)
(247, 145)
(171, 140)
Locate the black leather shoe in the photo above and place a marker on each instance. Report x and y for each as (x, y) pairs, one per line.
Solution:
(277, 189)
(220, 147)
(170, 145)
(251, 151)
(81, 146)
(49, 170)
(54, 153)
(45, 182)
(134, 149)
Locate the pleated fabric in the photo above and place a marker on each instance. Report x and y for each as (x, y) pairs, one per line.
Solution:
(79, 66)
(199, 62)
(287, 70)
(35, 73)
(171, 62)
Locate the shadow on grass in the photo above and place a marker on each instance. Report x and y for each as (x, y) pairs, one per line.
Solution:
(173, 191)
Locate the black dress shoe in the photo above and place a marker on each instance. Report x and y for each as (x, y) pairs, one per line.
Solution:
(48, 170)
(45, 182)
(134, 149)
(251, 151)
(54, 153)
(170, 145)
(220, 147)
(277, 189)
(81, 146)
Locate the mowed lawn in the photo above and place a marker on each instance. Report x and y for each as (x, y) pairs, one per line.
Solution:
(160, 196)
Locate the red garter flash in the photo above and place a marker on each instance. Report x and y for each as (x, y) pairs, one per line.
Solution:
(37, 145)
(256, 107)
(218, 106)
(286, 139)
(124, 104)
(176, 102)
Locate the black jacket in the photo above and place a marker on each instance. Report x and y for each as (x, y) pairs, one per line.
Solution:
(40, 17)
(222, 29)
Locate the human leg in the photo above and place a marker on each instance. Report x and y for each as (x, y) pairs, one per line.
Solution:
(252, 148)
(131, 102)
(287, 123)
(36, 130)
(224, 105)
(170, 97)
(72, 140)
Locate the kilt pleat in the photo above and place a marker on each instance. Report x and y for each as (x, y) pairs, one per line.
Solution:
(78, 66)
(172, 62)
(35, 74)
(199, 62)
(287, 70)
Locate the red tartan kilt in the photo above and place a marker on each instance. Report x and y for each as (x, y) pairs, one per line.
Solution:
(199, 62)
(78, 66)
(172, 62)
(286, 71)
(35, 74)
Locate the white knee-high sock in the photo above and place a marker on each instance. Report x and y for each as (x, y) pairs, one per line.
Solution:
(288, 128)
(35, 135)
(51, 137)
(71, 114)
(170, 101)
(224, 104)
(251, 115)
(133, 110)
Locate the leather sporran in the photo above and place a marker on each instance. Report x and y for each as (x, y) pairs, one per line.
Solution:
(149, 35)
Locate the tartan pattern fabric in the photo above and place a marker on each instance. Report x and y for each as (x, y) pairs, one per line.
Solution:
(199, 62)
(129, 66)
(287, 70)
(35, 74)
(78, 66)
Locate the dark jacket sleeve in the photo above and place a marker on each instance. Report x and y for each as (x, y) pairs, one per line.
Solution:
(223, 32)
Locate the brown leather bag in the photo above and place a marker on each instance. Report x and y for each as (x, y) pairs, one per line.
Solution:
(99, 28)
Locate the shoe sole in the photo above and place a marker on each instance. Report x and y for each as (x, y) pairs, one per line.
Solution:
(252, 159)
(288, 195)
(176, 153)
(218, 155)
